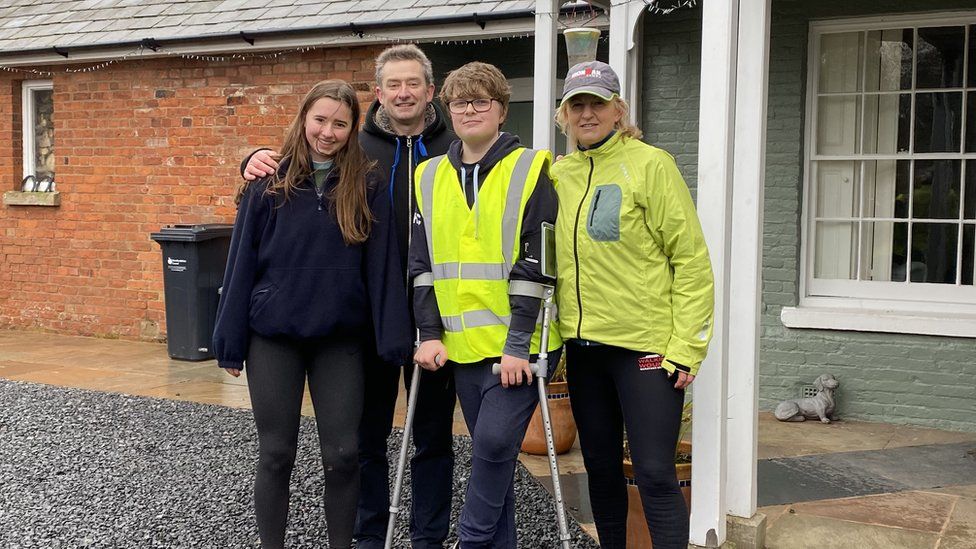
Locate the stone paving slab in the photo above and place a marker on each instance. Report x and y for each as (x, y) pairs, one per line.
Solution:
(807, 479)
(926, 512)
(847, 474)
(798, 531)
(961, 530)
(927, 466)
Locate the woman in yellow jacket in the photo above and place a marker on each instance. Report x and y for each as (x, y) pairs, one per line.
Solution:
(635, 299)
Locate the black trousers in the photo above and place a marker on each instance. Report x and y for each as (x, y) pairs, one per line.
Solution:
(432, 466)
(608, 391)
(277, 369)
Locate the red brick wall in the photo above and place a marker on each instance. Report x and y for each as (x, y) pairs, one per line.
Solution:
(139, 144)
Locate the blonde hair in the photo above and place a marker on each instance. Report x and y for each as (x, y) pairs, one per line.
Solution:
(624, 126)
(476, 79)
(347, 200)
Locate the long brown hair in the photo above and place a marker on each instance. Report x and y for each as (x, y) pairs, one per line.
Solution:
(347, 200)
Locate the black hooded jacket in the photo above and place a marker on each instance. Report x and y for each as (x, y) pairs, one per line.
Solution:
(397, 156)
(542, 206)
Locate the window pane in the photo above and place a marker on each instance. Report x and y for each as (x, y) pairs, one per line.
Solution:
(936, 193)
(886, 185)
(840, 62)
(940, 57)
(934, 252)
(938, 118)
(835, 256)
(887, 123)
(968, 243)
(889, 60)
(972, 55)
(883, 245)
(43, 106)
(838, 124)
(971, 121)
(969, 210)
(837, 189)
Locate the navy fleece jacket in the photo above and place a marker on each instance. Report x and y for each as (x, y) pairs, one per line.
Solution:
(289, 273)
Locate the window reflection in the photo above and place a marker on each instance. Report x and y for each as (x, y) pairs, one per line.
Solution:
(938, 122)
(43, 105)
(940, 57)
(936, 192)
(889, 60)
(934, 252)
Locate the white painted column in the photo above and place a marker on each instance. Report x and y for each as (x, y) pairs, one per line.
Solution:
(715, 154)
(752, 69)
(624, 22)
(544, 76)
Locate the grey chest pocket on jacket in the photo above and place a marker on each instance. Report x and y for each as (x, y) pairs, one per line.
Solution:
(603, 219)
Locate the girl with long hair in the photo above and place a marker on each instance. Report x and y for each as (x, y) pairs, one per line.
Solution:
(312, 278)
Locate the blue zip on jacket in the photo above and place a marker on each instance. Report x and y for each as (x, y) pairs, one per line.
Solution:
(289, 273)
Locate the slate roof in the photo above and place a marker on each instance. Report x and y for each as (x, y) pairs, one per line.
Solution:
(41, 24)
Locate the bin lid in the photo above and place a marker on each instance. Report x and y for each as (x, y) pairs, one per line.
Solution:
(192, 233)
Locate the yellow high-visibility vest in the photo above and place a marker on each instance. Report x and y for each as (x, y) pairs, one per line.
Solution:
(472, 251)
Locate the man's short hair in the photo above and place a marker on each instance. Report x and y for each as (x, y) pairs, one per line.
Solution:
(476, 79)
(404, 52)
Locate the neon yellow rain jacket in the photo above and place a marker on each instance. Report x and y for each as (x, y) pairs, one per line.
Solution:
(633, 268)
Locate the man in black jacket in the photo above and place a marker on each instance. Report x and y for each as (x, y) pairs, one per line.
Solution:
(403, 127)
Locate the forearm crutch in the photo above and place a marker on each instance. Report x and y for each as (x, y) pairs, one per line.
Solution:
(402, 463)
(541, 370)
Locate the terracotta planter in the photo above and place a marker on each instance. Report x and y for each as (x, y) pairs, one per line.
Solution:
(638, 536)
(563, 424)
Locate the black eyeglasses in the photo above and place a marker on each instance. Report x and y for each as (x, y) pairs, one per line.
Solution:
(458, 106)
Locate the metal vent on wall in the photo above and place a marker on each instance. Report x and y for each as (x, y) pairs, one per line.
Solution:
(808, 391)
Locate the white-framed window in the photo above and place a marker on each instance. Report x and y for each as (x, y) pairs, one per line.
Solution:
(38, 130)
(889, 203)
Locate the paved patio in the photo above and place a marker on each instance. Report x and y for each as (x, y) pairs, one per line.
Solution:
(845, 485)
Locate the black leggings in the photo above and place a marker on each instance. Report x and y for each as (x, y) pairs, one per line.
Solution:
(607, 391)
(276, 372)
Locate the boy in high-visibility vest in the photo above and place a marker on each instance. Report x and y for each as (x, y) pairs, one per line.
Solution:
(475, 263)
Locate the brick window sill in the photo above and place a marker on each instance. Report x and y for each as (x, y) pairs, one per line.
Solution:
(20, 198)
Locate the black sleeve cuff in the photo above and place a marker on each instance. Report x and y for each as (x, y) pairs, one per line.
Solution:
(517, 344)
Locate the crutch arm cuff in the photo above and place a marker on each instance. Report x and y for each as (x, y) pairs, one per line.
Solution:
(423, 279)
(527, 288)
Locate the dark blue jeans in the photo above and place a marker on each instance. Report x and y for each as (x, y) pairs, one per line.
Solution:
(433, 461)
(497, 418)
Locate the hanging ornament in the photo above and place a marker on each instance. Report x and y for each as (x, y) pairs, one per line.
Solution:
(664, 7)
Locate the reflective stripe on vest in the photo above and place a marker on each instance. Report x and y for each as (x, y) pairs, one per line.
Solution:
(484, 317)
(510, 221)
(472, 251)
(512, 215)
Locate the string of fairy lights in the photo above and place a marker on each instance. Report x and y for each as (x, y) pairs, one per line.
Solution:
(154, 49)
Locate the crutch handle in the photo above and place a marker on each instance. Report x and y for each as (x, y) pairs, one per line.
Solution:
(496, 368)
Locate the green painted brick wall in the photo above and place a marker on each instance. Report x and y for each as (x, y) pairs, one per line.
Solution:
(921, 380)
